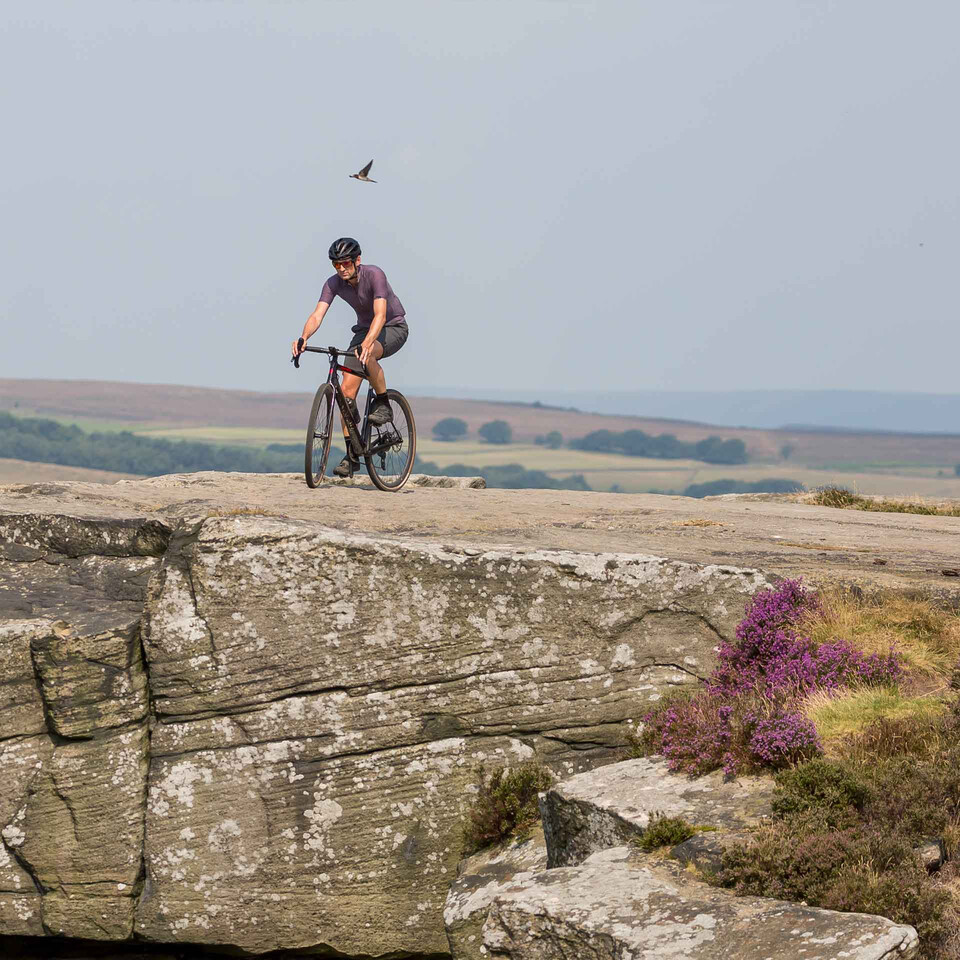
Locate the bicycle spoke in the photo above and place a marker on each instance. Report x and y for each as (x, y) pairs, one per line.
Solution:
(392, 446)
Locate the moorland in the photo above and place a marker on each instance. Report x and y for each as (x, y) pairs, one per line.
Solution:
(870, 462)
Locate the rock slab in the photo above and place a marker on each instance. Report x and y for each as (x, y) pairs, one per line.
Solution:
(612, 909)
(281, 722)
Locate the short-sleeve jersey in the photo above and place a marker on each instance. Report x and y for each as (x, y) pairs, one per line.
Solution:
(373, 284)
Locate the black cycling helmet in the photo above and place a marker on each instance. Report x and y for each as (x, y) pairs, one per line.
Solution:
(346, 248)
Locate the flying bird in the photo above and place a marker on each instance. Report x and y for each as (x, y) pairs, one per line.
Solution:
(362, 175)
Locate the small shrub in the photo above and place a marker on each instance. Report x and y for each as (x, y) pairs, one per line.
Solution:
(820, 786)
(769, 655)
(856, 869)
(664, 831)
(505, 804)
(831, 496)
(740, 734)
(784, 739)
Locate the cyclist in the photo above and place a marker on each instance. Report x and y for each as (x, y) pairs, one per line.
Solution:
(380, 331)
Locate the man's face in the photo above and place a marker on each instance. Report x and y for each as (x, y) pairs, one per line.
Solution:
(346, 269)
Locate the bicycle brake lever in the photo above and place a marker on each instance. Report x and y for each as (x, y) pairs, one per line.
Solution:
(295, 361)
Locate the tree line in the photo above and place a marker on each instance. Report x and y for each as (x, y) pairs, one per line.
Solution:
(631, 443)
(46, 441)
(636, 443)
(507, 476)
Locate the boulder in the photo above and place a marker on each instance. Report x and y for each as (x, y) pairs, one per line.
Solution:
(613, 907)
(613, 805)
(325, 698)
(480, 879)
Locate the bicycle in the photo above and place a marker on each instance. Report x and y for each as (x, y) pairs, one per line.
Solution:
(393, 444)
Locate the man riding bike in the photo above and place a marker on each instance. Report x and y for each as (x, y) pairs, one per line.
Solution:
(380, 331)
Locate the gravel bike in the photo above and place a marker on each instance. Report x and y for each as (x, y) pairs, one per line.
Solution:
(388, 449)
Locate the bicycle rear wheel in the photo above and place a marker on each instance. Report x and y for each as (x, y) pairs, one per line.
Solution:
(319, 430)
(392, 446)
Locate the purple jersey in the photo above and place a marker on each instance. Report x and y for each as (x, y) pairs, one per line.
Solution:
(373, 285)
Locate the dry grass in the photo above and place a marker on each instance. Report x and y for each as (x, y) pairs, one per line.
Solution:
(841, 715)
(845, 499)
(698, 522)
(926, 635)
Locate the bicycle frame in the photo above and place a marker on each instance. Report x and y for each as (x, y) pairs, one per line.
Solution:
(357, 443)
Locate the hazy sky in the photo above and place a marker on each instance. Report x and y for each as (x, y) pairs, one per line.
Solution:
(647, 195)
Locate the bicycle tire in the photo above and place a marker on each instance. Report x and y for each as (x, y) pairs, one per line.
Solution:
(319, 436)
(396, 462)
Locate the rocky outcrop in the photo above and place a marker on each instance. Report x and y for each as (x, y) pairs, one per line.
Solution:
(260, 733)
(605, 899)
(613, 907)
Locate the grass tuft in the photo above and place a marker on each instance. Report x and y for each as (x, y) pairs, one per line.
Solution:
(663, 831)
(842, 714)
(844, 499)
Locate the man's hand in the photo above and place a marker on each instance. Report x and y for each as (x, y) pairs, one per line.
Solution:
(364, 350)
(297, 347)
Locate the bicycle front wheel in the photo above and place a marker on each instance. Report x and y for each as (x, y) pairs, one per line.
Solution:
(319, 430)
(393, 446)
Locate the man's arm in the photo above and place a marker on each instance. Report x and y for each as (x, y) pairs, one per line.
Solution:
(376, 325)
(313, 323)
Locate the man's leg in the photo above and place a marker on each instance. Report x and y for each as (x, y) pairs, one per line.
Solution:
(351, 387)
(351, 382)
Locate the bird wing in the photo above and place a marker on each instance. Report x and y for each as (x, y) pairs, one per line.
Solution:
(366, 169)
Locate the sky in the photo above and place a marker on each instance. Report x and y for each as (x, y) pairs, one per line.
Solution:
(677, 195)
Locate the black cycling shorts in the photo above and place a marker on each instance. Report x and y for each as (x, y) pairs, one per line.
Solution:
(391, 338)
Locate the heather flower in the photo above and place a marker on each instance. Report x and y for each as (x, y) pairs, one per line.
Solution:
(746, 717)
(785, 739)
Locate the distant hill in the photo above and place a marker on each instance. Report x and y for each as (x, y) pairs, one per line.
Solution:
(140, 404)
(762, 409)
